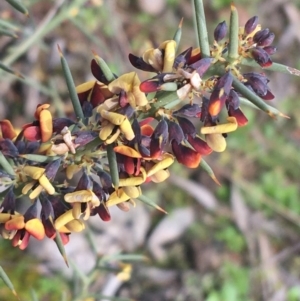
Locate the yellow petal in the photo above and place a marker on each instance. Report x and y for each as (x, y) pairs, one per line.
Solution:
(35, 228)
(16, 223)
(169, 56)
(27, 187)
(63, 219)
(216, 142)
(165, 163)
(106, 131)
(4, 217)
(82, 196)
(75, 225)
(114, 118)
(133, 191)
(33, 171)
(123, 82)
(160, 176)
(85, 87)
(133, 181)
(153, 57)
(36, 192)
(127, 130)
(114, 137)
(43, 180)
(76, 210)
(71, 170)
(127, 151)
(46, 125)
(231, 126)
(117, 197)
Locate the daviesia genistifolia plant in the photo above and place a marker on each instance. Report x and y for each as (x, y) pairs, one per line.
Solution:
(126, 133)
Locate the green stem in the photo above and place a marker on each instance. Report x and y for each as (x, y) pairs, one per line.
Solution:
(201, 28)
(233, 34)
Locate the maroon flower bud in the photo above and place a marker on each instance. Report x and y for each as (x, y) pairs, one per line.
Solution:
(187, 126)
(182, 59)
(51, 169)
(189, 110)
(99, 192)
(149, 86)
(175, 132)
(8, 148)
(258, 83)
(251, 25)
(219, 95)
(60, 123)
(270, 50)
(186, 155)
(261, 57)
(105, 180)
(220, 31)
(87, 109)
(9, 203)
(139, 63)
(268, 96)
(264, 37)
(85, 137)
(233, 100)
(239, 116)
(202, 65)
(98, 73)
(199, 145)
(159, 139)
(84, 182)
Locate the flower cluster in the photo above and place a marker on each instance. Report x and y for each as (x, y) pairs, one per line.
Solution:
(131, 132)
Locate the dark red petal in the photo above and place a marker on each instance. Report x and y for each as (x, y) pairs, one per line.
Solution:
(199, 145)
(139, 63)
(186, 155)
(32, 133)
(103, 212)
(261, 57)
(149, 86)
(269, 96)
(239, 116)
(84, 182)
(129, 165)
(98, 73)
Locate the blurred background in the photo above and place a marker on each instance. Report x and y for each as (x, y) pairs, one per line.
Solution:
(238, 241)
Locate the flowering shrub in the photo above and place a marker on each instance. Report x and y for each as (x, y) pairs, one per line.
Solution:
(126, 133)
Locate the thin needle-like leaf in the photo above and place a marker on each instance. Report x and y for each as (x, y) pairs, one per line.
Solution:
(9, 70)
(208, 169)
(201, 28)
(178, 33)
(61, 247)
(149, 202)
(104, 67)
(18, 5)
(71, 86)
(7, 281)
(233, 34)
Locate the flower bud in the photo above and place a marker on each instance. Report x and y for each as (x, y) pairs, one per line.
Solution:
(220, 31)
